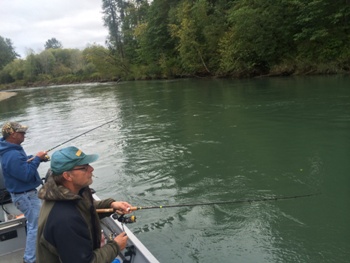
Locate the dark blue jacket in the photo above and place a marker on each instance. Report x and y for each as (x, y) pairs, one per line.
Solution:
(69, 228)
(19, 175)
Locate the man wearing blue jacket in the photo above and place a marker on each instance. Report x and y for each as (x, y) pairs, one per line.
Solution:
(21, 179)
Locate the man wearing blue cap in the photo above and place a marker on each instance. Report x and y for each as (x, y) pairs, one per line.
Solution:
(69, 227)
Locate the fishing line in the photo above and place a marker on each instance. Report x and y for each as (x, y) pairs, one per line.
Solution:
(134, 208)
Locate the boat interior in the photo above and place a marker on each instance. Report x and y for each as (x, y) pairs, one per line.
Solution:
(12, 230)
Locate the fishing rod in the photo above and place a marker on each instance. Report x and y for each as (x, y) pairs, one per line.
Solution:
(80, 135)
(71, 139)
(134, 208)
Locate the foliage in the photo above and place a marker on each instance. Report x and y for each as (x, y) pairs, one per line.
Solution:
(7, 52)
(15, 69)
(99, 60)
(57, 66)
(53, 43)
(323, 30)
(198, 28)
(180, 38)
(259, 37)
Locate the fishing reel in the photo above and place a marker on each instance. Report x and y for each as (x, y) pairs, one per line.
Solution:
(46, 158)
(124, 219)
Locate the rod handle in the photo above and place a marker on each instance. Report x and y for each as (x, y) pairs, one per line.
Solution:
(104, 210)
(134, 208)
(46, 159)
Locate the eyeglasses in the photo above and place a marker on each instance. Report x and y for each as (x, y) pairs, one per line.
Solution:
(84, 168)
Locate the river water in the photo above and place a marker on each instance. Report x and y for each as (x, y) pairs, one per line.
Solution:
(199, 141)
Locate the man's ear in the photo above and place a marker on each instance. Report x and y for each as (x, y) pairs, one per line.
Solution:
(66, 176)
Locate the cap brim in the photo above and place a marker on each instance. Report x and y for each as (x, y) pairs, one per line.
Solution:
(89, 158)
(22, 129)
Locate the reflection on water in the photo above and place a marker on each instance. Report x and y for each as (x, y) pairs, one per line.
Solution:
(191, 141)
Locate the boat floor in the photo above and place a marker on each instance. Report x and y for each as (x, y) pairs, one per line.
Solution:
(14, 257)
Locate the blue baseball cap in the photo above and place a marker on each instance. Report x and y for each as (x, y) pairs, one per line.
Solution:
(67, 158)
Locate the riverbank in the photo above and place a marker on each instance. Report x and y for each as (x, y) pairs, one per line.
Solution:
(58, 82)
(6, 94)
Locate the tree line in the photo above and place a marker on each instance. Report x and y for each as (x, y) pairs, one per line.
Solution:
(206, 38)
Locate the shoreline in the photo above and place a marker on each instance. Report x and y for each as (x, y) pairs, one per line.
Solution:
(6, 94)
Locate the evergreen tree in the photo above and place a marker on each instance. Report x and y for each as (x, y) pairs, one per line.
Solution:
(7, 52)
(53, 43)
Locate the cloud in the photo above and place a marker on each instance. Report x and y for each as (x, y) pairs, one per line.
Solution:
(29, 24)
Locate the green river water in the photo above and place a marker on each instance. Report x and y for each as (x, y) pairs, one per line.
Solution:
(197, 141)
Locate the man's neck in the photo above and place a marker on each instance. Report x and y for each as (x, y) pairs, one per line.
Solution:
(13, 141)
(71, 187)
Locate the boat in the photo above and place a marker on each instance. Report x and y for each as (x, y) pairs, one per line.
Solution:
(12, 243)
(13, 234)
(12, 229)
(135, 251)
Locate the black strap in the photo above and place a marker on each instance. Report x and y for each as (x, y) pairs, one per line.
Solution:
(130, 252)
(5, 197)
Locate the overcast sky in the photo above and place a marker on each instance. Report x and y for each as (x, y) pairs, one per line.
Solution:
(30, 23)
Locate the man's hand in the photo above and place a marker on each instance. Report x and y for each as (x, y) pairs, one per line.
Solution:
(121, 207)
(43, 156)
(121, 240)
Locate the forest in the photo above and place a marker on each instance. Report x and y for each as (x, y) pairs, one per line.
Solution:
(165, 39)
